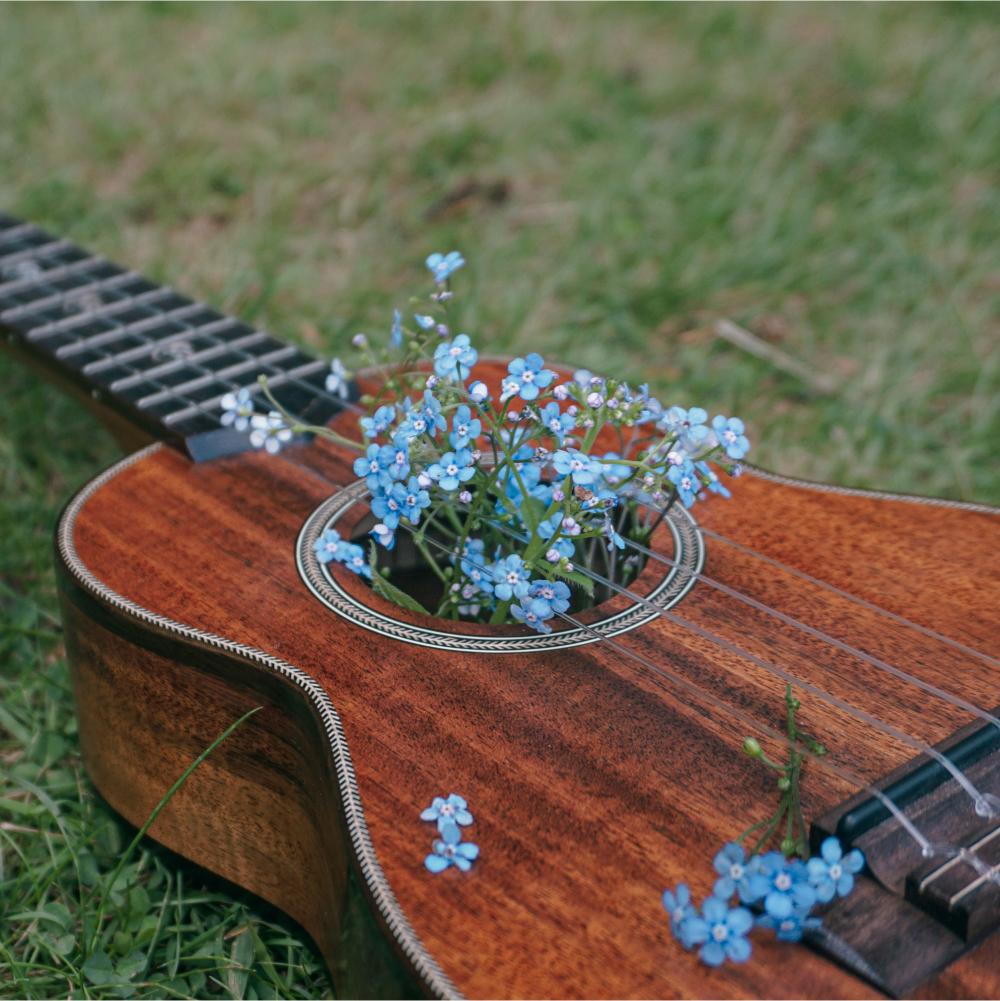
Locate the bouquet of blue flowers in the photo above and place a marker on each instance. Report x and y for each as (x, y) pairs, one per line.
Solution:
(506, 490)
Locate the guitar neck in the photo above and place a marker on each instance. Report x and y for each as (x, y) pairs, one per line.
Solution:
(156, 359)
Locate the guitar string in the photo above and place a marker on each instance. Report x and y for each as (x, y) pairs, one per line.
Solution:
(928, 849)
(876, 662)
(888, 729)
(317, 393)
(27, 256)
(864, 602)
(982, 803)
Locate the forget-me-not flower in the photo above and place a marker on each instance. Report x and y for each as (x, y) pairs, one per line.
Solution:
(526, 376)
(443, 266)
(328, 545)
(832, 872)
(738, 874)
(683, 477)
(570, 462)
(730, 434)
(790, 929)
(453, 810)
(269, 432)
(720, 930)
(687, 425)
(465, 428)
(677, 904)
(510, 578)
(414, 500)
(376, 466)
(710, 480)
(450, 849)
(788, 889)
(379, 421)
(424, 322)
(455, 357)
(337, 379)
(533, 613)
(553, 594)
(557, 422)
(237, 409)
(452, 469)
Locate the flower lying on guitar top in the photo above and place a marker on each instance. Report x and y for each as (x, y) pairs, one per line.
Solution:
(566, 477)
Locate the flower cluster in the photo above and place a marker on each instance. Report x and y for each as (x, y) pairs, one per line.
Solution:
(449, 849)
(764, 891)
(506, 489)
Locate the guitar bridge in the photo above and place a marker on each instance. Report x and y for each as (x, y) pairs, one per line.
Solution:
(911, 914)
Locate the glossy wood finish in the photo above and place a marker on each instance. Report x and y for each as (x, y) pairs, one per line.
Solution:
(594, 783)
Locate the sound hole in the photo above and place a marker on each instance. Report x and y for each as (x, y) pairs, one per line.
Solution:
(410, 573)
(345, 594)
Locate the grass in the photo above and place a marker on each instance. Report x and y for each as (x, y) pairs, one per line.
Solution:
(825, 177)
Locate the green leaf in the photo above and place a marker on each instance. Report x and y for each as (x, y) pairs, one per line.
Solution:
(389, 591)
(241, 956)
(98, 969)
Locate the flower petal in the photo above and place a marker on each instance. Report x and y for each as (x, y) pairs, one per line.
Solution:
(436, 863)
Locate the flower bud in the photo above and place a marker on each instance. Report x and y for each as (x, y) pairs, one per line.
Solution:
(465, 497)
(424, 480)
(359, 341)
(594, 400)
(553, 555)
(558, 496)
(784, 783)
(432, 381)
(478, 391)
(788, 846)
(751, 747)
(560, 392)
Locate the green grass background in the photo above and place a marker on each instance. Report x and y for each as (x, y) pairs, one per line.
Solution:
(825, 176)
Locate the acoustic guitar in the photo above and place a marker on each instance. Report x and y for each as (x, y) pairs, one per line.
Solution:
(603, 761)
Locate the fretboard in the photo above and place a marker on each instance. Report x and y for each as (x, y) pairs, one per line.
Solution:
(158, 359)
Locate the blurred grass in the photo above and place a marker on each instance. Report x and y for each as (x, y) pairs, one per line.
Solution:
(825, 176)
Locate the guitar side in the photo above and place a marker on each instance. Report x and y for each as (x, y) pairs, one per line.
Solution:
(278, 808)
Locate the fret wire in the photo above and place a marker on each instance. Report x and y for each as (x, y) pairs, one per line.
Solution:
(32, 253)
(109, 312)
(126, 357)
(136, 328)
(18, 230)
(103, 284)
(166, 367)
(277, 381)
(224, 374)
(66, 271)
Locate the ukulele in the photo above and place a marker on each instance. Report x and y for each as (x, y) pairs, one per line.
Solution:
(602, 761)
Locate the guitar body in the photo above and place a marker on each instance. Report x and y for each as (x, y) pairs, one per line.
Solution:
(594, 781)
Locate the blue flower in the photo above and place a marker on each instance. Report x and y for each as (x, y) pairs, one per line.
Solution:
(614, 472)
(570, 462)
(396, 334)
(449, 849)
(533, 613)
(788, 889)
(269, 431)
(710, 480)
(687, 425)
(414, 499)
(424, 322)
(737, 874)
(453, 469)
(731, 437)
(832, 872)
(453, 810)
(328, 546)
(683, 477)
(237, 409)
(526, 377)
(379, 422)
(387, 504)
(443, 266)
(455, 357)
(790, 929)
(464, 428)
(678, 905)
(557, 422)
(615, 541)
(422, 418)
(384, 535)
(376, 466)
(553, 594)
(331, 547)
(720, 930)
(548, 528)
(510, 578)
(472, 563)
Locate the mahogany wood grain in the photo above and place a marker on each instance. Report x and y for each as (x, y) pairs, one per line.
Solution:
(594, 783)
